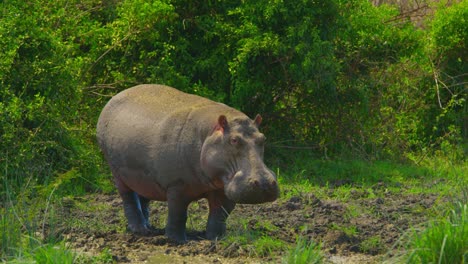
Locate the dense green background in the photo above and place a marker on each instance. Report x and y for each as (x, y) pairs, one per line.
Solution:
(332, 78)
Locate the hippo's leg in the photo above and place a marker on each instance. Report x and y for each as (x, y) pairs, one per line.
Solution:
(220, 208)
(177, 205)
(132, 209)
(134, 214)
(144, 203)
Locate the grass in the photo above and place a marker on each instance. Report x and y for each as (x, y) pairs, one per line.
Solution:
(354, 211)
(194, 221)
(442, 241)
(27, 232)
(39, 252)
(350, 231)
(267, 246)
(304, 252)
(255, 241)
(337, 178)
(103, 258)
(29, 227)
(371, 245)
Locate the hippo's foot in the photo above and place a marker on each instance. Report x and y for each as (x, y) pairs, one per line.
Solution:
(215, 229)
(141, 230)
(220, 208)
(176, 236)
(215, 234)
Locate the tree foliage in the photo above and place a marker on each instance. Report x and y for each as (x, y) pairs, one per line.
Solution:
(339, 76)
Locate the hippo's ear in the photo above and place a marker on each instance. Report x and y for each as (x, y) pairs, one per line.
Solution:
(222, 123)
(258, 120)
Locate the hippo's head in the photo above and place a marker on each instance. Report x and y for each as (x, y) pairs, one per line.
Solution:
(234, 153)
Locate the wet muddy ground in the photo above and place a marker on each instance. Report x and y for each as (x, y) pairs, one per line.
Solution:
(365, 229)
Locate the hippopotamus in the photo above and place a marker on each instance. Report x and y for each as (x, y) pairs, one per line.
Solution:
(165, 145)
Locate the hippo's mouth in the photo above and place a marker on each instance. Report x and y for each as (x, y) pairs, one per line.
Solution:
(241, 189)
(228, 178)
(252, 196)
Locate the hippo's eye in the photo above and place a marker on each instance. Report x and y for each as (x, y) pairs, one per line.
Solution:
(235, 140)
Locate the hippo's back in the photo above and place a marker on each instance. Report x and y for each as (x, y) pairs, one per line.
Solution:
(153, 99)
(147, 110)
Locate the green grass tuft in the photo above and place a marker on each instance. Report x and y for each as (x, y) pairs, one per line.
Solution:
(305, 252)
(444, 241)
(51, 253)
(256, 242)
(372, 245)
(267, 246)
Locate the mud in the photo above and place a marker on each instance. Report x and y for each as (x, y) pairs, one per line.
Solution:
(364, 229)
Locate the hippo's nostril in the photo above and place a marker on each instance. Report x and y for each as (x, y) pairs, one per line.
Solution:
(273, 183)
(256, 183)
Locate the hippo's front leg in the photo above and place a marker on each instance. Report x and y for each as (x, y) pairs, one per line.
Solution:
(177, 205)
(220, 208)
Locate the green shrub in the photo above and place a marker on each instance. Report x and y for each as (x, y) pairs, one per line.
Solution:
(45, 126)
(447, 50)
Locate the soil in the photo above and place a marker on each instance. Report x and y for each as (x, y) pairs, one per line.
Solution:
(363, 230)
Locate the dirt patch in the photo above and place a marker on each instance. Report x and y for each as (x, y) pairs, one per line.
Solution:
(359, 231)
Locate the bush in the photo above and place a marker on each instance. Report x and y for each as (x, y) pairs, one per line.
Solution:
(42, 127)
(447, 51)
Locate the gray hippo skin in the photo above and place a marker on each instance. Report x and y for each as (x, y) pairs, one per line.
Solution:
(166, 145)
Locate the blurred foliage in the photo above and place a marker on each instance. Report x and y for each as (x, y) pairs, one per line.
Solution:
(340, 77)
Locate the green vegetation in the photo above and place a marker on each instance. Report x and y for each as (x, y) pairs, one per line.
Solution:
(46, 253)
(255, 244)
(255, 240)
(22, 227)
(305, 252)
(442, 241)
(357, 102)
(342, 78)
(349, 231)
(371, 245)
(349, 179)
(30, 228)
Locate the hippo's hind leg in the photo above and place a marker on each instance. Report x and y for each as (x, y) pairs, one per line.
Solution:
(132, 208)
(220, 208)
(144, 204)
(134, 212)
